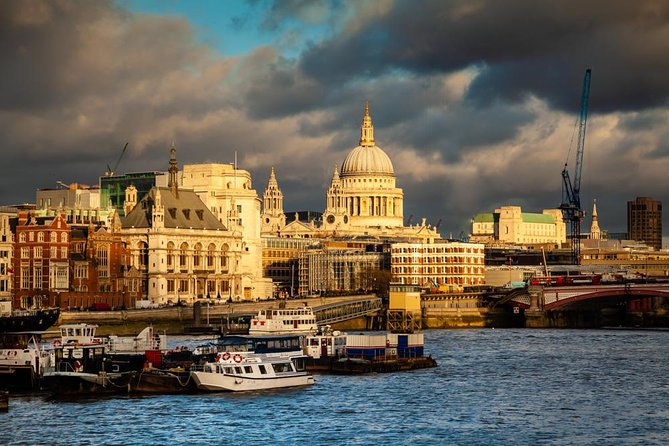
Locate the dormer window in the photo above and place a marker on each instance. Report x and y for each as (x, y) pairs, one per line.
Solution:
(200, 214)
(187, 213)
(173, 212)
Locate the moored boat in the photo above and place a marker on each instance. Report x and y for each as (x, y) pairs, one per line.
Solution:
(22, 360)
(28, 320)
(83, 363)
(236, 372)
(284, 320)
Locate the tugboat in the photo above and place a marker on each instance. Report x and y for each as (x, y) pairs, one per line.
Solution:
(248, 372)
(86, 364)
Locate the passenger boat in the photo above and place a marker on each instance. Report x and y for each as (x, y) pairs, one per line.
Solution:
(237, 372)
(22, 360)
(284, 320)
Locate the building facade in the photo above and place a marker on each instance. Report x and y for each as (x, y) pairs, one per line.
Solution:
(510, 225)
(228, 193)
(41, 260)
(281, 257)
(449, 266)
(644, 221)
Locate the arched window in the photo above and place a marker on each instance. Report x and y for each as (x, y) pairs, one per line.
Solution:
(224, 256)
(40, 236)
(170, 255)
(22, 237)
(211, 253)
(197, 256)
(63, 237)
(183, 256)
(53, 237)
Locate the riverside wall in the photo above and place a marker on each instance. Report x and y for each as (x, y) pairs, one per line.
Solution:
(173, 319)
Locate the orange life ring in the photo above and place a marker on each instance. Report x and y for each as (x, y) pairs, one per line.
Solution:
(237, 358)
(225, 356)
(57, 343)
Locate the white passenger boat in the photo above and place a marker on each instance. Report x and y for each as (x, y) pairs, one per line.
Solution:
(284, 320)
(237, 372)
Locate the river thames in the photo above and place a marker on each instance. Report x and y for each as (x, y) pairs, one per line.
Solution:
(508, 387)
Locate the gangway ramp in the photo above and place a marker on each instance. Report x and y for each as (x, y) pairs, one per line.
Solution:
(344, 311)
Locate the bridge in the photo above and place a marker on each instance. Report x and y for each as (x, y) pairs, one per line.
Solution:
(553, 298)
(343, 311)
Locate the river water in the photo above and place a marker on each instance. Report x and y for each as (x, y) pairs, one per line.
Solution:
(492, 387)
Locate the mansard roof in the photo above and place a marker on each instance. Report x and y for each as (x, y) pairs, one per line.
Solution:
(184, 210)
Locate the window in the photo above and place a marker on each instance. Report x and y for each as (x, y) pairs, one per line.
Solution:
(103, 261)
(63, 237)
(40, 237)
(25, 253)
(53, 237)
(25, 278)
(37, 277)
(63, 252)
(53, 252)
(81, 272)
(31, 237)
(37, 252)
(22, 237)
(183, 286)
(170, 285)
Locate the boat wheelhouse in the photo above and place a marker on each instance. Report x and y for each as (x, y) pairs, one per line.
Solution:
(238, 372)
(284, 320)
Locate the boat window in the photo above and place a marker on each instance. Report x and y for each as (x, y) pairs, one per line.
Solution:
(313, 342)
(238, 370)
(262, 369)
(219, 369)
(70, 331)
(248, 369)
(281, 367)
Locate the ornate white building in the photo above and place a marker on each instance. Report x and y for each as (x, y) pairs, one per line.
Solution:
(182, 250)
(362, 199)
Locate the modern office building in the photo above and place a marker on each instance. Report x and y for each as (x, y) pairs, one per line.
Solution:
(644, 221)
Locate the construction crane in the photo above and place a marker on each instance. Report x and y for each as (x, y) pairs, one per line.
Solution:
(110, 171)
(571, 192)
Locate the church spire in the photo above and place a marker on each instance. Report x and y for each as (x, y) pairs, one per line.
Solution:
(172, 182)
(367, 129)
(595, 232)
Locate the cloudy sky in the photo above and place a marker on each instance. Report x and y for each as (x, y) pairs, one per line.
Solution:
(475, 101)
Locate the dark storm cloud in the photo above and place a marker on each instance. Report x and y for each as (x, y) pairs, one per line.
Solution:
(521, 47)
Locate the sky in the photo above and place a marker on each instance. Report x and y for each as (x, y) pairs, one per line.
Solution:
(475, 101)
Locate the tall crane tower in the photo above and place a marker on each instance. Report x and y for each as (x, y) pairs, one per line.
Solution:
(571, 192)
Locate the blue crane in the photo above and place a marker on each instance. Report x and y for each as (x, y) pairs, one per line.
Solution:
(571, 193)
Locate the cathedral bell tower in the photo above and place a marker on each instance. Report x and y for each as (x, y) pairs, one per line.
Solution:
(273, 218)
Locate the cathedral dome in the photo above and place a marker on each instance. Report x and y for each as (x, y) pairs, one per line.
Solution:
(365, 160)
